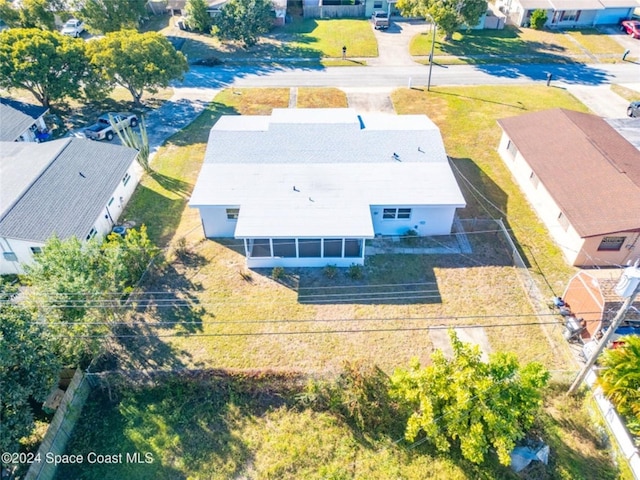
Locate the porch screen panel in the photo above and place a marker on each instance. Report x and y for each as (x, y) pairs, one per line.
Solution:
(352, 247)
(284, 247)
(309, 247)
(333, 247)
(261, 247)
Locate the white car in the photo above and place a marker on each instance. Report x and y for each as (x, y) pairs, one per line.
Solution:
(73, 27)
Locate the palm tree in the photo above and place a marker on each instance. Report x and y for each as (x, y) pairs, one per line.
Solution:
(620, 380)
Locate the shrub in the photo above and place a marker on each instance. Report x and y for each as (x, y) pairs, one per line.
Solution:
(355, 272)
(411, 237)
(538, 19)
(330, 271)
(277, 273)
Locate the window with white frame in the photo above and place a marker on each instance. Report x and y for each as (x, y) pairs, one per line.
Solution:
(126, 179)
(396, 213)
(35, 250)
(92, 233)
(570, 16)
(10, 256)
(611, 243)
(232, 213)
(534, 179)
(512, 149)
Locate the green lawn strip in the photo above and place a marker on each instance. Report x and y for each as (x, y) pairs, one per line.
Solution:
(508, 42)
(321, 98)
(223, 425)
(596, 42)
(626, 93)
(327, 37)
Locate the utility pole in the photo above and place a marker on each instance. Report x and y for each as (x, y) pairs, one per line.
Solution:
(628, 287)
(433, 43)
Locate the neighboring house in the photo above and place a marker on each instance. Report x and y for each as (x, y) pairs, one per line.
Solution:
(178, 7)
(306, 187)
(594, 299)
(583, 180)
(569, 13)
(67, 187)
(21, 122)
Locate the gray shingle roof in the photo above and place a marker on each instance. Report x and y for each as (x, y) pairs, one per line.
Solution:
(16, 117)
(67, 197)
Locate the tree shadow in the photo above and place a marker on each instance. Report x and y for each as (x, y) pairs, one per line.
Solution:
(174, 185)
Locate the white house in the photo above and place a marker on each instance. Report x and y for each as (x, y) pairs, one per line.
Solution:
(569, 13)
(67, 187)
(583, 180)
(20, 121)
(307, 187)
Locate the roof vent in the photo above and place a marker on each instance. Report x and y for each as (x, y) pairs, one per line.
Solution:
(396, 156)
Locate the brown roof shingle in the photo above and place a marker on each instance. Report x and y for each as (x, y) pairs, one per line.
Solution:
(590, 170)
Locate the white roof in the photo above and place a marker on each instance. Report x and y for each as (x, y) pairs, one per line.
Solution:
(340, 164)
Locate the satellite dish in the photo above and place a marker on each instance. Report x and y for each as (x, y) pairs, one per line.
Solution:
(628, 282)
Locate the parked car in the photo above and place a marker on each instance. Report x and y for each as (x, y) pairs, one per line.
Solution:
(103, 129)
(634, 109)
(380, 20)
(632, 27)
(73, 27)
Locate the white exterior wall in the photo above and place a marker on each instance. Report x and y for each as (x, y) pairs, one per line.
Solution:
(22, 250)
(103, 224)
(568, 240)
(215, 222)
(426, 220)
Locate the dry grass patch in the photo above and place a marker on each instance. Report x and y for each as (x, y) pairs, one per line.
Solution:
(254, 101)
(596, 42)
(321, 98)
(626, 93)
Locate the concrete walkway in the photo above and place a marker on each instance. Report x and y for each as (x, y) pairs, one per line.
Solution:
(393, 43)
(600, 99)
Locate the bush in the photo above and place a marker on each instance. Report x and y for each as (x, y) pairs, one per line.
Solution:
(330, 271)
(538, 19)
(277, 273)
(355, 272)
(411, 237)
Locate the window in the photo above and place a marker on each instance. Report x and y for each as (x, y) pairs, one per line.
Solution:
(284, 247)
(377, 4)
(92, 233)
(260, 247)
(570, 16)
(309, 247)
(534, 179)
(333, 247)
(563, 221)
(36, 250)
(612, 243)
(110, 202)
(126, 179)
(512, 149)
(399, 213)
(352, 247)
(10, 256)
(232, 213)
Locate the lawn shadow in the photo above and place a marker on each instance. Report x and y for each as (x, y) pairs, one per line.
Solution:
(173, 185)
(518, 105)
(484, 197)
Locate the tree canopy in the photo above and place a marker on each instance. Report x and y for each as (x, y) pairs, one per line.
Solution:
(244, 20)
(198, 18)
(28, 370)
(49, 65)
(466, 402)
(620, 379)
(31, 13)
(449, 15)
(137, 61)
(77, 286)
(104, 16)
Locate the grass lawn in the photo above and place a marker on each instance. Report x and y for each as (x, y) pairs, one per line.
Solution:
(626, 93)
(321, 98)
(503, 46)
(248, 425)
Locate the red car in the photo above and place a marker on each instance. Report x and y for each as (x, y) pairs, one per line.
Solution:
(632, 27)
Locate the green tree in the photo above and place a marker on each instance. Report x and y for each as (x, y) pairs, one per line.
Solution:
(449, 15)
(244, 20)
(29, 369)
(47, 64)
(198, 18)
(137, 61)
(470, 403)
(30, 13)
(620, 380)
(104, 16)
(538, 19)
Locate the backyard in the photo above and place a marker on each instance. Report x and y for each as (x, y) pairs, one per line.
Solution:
(205, 310)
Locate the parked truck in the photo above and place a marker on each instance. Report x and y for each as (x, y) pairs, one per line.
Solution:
(380, 20)
(103, 129)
